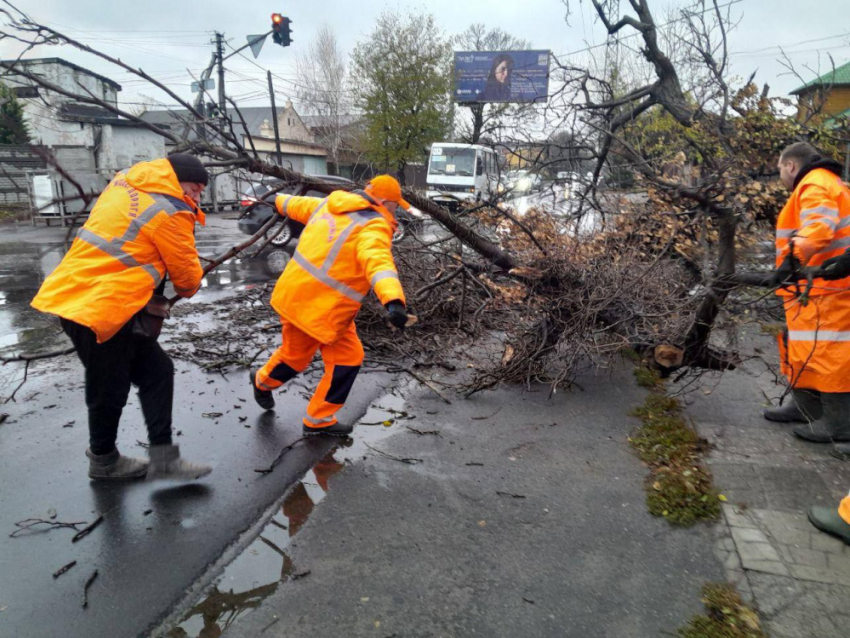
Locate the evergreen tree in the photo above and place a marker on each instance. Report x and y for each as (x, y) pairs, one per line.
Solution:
(13, 127)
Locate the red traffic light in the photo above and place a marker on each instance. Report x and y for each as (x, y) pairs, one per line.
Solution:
(277, 18)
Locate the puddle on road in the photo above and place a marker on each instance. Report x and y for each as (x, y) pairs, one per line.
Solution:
(258, 571)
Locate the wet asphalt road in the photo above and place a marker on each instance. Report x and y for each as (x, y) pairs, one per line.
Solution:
(156, 540)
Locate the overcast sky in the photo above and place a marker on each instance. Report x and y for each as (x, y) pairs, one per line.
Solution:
(167, 37)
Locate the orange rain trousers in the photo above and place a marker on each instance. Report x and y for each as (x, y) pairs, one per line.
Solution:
(342, 360)
(814, 352)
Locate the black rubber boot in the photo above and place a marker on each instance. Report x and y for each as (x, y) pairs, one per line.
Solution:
(834, 426)
(827, 519)
(785, 413)
(337, 429)
(264, 398)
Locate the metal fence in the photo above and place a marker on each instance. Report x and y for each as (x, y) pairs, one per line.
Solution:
(15, 162)
(52, 197)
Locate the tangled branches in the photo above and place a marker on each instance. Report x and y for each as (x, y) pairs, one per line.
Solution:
(588, 305)
(229, 332)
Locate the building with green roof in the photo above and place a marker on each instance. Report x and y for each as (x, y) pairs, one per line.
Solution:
(830, 93)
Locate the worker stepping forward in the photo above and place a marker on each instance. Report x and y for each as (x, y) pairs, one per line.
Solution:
(344, 251)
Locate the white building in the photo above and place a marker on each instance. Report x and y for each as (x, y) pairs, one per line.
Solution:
(88, 141)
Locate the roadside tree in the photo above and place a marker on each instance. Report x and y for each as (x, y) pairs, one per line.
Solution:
(401, 76)
(323, 89)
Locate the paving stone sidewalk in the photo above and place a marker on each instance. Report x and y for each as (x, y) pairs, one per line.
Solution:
(798, 577)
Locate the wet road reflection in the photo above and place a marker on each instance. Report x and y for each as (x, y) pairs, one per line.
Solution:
(22, 268)
(257, 572)
(265, 564)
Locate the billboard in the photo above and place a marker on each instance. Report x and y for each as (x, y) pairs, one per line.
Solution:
(501, 76)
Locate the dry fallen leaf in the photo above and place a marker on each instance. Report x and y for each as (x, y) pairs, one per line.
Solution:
(526, 272)
(750, 618)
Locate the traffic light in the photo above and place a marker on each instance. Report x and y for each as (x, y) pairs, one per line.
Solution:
(281, 30)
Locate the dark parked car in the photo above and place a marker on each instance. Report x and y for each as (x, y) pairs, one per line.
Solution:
(251, 222)
(263, 211)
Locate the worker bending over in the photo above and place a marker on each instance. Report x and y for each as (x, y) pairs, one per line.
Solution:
(140, 230)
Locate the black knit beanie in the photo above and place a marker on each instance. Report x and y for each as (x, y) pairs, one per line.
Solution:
(189, 168)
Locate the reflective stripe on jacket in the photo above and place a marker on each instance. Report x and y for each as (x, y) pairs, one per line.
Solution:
(344, 250)
(817, 219)
(141, 227)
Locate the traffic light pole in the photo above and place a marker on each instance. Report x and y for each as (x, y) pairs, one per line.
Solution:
(274, 119)
(245, 46)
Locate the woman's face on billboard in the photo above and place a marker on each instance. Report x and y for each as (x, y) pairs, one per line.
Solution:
(502, 72)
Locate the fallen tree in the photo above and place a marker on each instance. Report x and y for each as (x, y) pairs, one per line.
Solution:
(656, 274)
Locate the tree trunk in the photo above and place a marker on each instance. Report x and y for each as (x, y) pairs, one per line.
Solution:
(477, 122)
(696, 344)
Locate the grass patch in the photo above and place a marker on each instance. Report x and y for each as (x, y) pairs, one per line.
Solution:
(726, 616)
(679, 487)
(683, 497)
(631, 354)
(773, 329)
(647, 378)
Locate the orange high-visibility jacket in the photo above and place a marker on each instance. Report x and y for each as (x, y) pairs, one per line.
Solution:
(816, 219)
(344, 250)
(815, 350)
(141, 226)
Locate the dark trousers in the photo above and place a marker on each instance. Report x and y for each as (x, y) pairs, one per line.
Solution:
(111, 368)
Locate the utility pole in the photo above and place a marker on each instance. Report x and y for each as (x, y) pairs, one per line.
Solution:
(274, 120)
(219, 48)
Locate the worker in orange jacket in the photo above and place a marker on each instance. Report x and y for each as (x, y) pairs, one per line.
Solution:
(812, 229)
(344, 251)
(140, 230)
(832, 520)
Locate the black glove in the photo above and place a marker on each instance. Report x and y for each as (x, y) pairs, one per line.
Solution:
(837, 267)
(788, 271)
(398, 315)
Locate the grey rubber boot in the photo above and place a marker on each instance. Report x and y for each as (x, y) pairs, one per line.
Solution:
(834, 426)
(167, 464)
(841, 451)
(788, 412)
(115, 467)
(827, 519)
(809, 404)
